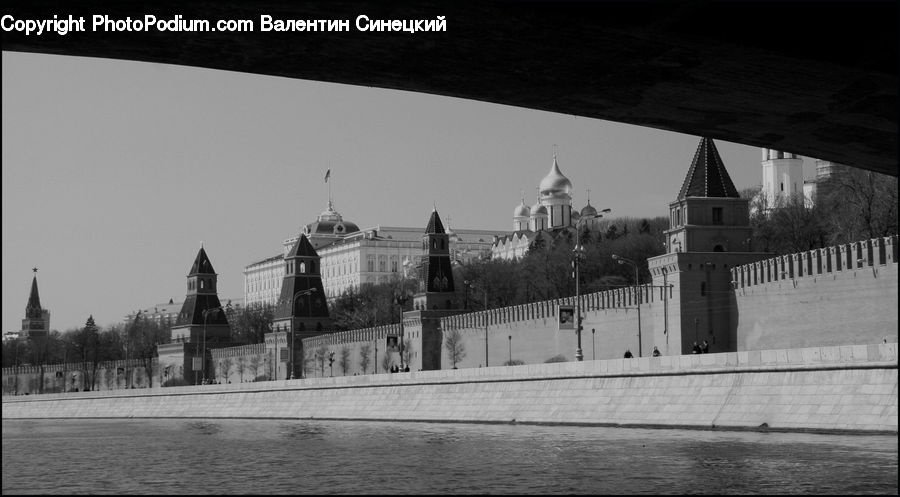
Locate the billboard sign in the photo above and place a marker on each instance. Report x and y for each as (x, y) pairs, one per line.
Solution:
(566, 317)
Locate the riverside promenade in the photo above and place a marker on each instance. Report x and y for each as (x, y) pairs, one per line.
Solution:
(821, 389)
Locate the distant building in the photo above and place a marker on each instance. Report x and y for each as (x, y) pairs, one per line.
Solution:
(552, 214)
(782, 176)
(166, 314)
(37, 319)
(351, 257)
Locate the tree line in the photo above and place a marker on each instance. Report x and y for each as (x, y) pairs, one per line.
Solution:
(853, 205)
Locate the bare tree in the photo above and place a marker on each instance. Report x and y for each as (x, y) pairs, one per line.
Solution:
(344, 360)
(225, 368)
(456, 349)
(321, 353)
(241, 367)
(387, 361)
(364, 351)
(254, 365)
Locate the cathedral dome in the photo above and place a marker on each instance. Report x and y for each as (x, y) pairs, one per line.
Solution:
(330, 222)
(522, 210)
(538, 210)
(588, 210)
(555, 181)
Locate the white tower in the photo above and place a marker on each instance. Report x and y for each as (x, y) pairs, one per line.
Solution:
(782, 175)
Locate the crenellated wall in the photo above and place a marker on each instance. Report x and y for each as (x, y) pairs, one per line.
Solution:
(78, 377)
(832, 296)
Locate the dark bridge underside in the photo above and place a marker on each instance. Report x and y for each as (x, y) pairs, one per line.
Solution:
(814, 79)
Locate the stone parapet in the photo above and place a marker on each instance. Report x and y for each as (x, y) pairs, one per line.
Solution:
(852, 388)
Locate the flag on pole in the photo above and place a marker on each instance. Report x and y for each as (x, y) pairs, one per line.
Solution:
(327, 174)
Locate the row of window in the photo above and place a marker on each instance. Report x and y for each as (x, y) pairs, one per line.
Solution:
(679, 216)
(201, 283)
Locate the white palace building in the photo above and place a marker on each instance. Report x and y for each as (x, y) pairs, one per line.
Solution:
(351, 257)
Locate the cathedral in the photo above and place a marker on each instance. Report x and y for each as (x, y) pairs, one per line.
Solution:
(551, 214)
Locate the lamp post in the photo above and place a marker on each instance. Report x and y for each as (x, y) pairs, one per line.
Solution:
(578, 257)
(510, 350)
(296, 295)
(593, 344)
(630, 262)
(401, 299)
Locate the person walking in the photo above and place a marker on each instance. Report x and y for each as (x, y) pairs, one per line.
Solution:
(696, 349)
(656, 352)
(704, 347)
(628, 354)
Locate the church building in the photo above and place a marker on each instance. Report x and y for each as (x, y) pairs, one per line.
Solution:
(551, 214)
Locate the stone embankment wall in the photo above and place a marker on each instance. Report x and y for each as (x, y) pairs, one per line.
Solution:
(851, 388)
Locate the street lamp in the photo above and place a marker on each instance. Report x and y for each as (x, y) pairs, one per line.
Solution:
(510, 351)
(594, 344)
(577, 258)
(623, 260)
(206, 313)
(298, 294)
(401, 299)
(471, 284)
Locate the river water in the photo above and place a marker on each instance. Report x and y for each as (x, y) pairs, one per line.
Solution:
(238, 456)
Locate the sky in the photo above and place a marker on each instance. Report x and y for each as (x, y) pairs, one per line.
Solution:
(114, 172)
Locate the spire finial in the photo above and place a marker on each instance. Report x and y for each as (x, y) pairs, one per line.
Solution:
(589, 196)
(35, 269)
(555, 147)
(433, 206)
(523, 197)
(201, 243)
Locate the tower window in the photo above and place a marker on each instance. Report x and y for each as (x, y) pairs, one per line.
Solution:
(717, 215)
(302, 268)
(702, 288)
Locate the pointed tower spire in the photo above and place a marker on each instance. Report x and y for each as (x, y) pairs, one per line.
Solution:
(435, 226)
(37, 319)
(707, 176)
(302, 306)
(33, 308)
(707, 202)
(437, 273)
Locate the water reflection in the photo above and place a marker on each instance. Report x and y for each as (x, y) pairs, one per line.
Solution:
(233, 456)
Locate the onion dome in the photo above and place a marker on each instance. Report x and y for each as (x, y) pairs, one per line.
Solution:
(588, 210)
(538, 210)
(522, 210)
(555, 181)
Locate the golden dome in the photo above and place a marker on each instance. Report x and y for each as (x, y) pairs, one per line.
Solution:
(555, 181)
